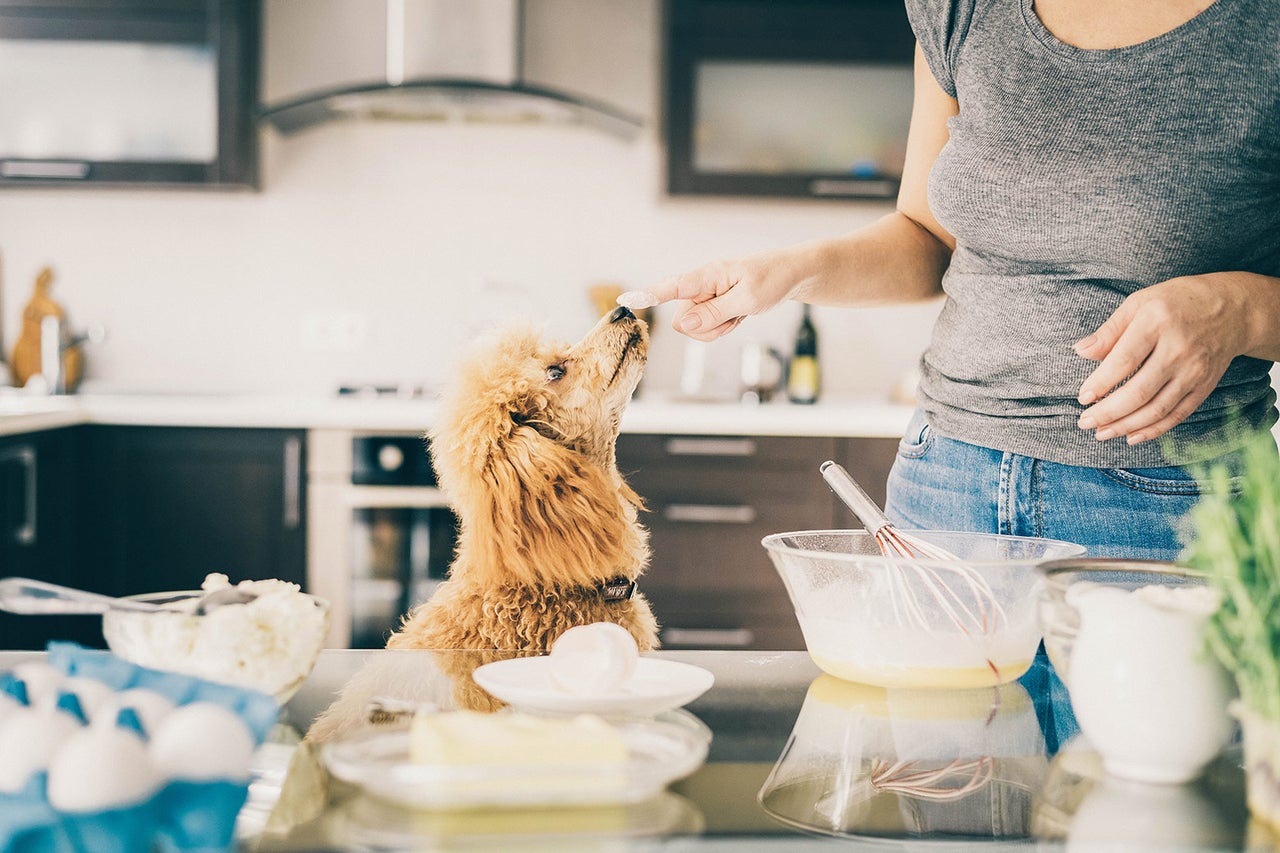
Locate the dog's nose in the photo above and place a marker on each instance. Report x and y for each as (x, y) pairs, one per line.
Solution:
(620, 313)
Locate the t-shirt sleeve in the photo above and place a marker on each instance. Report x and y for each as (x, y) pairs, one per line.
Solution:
(940, 27)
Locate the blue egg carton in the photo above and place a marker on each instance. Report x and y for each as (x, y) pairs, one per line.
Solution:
(187, 816)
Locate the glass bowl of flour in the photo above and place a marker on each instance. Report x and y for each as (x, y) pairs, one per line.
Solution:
(269, 643)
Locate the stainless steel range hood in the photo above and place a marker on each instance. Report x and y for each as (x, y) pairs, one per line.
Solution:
(417, 60)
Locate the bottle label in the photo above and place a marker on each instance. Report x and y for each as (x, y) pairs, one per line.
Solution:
(802, 381)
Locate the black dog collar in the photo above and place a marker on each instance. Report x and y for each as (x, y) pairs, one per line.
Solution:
(618, 589)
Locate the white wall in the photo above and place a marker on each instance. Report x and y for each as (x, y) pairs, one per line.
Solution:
(421, 234)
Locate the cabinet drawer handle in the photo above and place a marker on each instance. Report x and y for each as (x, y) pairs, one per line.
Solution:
(25, 456)
(709, 513)
(701, 637)
(710, 447)
(67, 170)
(292, 482)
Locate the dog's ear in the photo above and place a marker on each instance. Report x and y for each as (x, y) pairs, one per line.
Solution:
(551, 514)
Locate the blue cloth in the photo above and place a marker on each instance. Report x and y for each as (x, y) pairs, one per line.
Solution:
(938, 483)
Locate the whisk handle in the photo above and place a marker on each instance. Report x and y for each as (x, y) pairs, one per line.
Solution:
(852, 495)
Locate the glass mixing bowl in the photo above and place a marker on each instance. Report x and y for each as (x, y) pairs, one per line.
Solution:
(269, 645)
(895, 622)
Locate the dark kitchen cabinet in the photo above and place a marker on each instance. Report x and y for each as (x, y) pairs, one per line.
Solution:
(798, 98)
(711, 499)
(176, 503)
(103, 92)
(41, 512)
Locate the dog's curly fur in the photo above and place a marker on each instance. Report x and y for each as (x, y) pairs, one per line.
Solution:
(524, 449)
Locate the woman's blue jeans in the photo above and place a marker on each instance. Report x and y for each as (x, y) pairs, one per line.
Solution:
(938, 483)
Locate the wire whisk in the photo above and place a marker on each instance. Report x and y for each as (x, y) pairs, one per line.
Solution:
(926, 567)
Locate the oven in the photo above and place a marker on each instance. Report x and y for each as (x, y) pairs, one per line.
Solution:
(380, 534)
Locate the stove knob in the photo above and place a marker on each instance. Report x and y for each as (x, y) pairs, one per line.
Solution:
(390, 457)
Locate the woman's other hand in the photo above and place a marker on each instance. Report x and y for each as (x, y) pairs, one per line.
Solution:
(1174, 341)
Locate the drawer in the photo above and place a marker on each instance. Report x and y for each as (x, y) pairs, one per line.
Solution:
(705, 541)
(719, 627)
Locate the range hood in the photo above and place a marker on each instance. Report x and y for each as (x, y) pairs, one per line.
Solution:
(416, 60)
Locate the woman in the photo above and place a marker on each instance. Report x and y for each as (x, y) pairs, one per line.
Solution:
(1095, 186)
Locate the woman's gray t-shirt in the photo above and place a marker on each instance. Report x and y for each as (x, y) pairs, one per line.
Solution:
(1075, 177)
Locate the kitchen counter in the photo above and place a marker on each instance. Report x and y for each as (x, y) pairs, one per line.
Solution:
(839, 418)
(790, 767)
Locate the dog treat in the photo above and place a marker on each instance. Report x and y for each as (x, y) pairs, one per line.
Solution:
(515, 740)
(595, 658)
(636, 299)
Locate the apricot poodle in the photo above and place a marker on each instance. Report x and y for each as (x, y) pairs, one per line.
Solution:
(549, 535)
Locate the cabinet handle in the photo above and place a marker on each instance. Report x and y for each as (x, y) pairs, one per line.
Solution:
(710, 447)
(868, 187)
(709, 513)
(25, 533)
(69, 170)
(701, 637)
(292, 482)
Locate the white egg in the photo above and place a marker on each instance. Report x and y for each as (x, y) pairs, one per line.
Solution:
(8, 705)
(29, 739)
(41, 679)
(202, 741)
(90, 692)
(595, 658)
(101, 768)
(150, 706)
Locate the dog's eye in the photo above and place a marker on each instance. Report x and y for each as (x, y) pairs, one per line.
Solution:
(555, 372)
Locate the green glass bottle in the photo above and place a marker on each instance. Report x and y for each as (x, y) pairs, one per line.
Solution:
(803, 377)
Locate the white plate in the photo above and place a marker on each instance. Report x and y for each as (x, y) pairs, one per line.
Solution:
(660, 751)
(657, 685)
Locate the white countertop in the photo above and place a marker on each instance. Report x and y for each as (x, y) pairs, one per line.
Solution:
(840, 418)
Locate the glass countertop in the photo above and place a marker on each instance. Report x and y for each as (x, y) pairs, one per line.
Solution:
(797, 759)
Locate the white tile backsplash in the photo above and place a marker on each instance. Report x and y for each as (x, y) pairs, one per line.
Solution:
(416, 235)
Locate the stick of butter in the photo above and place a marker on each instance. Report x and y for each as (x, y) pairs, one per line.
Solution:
(470, 738)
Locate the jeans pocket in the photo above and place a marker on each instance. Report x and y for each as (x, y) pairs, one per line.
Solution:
(918, 438)
(1173, 480)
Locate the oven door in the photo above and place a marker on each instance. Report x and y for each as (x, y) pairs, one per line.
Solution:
(399, 555)
(380, 534)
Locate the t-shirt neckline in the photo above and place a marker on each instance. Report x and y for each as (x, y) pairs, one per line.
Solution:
(1053, 43)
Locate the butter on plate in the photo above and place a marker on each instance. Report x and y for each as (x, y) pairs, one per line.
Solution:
(515, 740)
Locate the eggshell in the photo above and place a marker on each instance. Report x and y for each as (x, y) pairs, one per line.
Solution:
(202, 741)
(150, 706)
(91, 692)
(101, 768)
(595, 658)
(29, 739)
(8, 705)
(41, 679)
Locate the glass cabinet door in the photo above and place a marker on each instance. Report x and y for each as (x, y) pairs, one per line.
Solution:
(125, 93)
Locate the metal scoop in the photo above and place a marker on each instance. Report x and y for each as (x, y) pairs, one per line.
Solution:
(33, 597)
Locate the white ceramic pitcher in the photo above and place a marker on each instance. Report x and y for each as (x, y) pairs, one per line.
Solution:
(1146, 692)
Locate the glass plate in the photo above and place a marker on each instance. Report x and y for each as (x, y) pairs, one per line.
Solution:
(662, 750)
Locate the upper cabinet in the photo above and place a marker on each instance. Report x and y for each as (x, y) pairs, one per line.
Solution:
(129, 92)
(800, 98)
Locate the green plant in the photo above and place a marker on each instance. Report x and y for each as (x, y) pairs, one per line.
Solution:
(1234, 538)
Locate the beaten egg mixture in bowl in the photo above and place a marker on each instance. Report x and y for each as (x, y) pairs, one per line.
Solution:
(922, 623)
